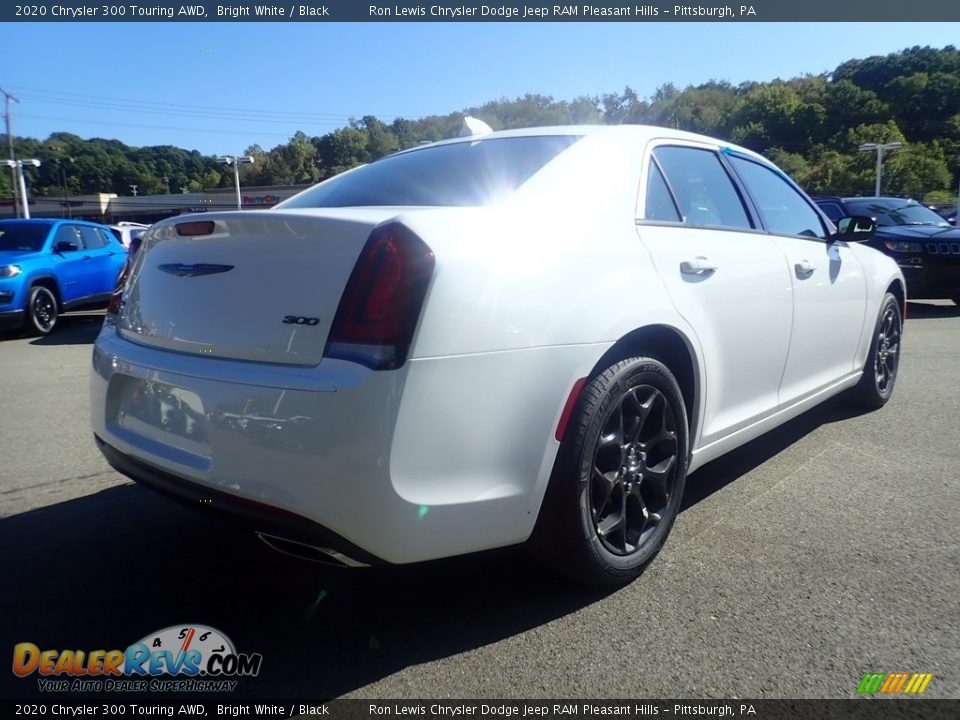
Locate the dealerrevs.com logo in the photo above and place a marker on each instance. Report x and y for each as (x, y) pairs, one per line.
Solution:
(188, 658)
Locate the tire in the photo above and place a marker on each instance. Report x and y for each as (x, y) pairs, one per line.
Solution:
(883, 359)
(619, 477)
(41, 311)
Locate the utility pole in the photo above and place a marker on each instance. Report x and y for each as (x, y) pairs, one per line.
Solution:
(958, 190)
(13, 170)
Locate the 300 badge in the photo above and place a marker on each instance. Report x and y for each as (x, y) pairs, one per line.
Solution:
(300, 320)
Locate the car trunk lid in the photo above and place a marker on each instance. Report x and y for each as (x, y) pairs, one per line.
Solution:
(259, 286)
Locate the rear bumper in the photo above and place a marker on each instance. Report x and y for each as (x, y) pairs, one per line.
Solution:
(443, 457)
(258, 517)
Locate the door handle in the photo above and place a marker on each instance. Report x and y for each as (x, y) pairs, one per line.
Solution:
(698, 266)
(86, 257)
(804, 268)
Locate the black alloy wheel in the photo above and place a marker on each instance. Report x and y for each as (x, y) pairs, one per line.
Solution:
(887, 356)
(883, 359)
(619, 476)
(632, 478)
(41, 310)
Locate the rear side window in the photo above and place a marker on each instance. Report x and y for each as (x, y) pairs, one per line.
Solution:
(92, 240)
(108, 238)
(705, 193)
(784, 211)
(659, 204)
(474, 173)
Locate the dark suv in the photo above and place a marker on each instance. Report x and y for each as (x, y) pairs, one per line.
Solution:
(924, 244)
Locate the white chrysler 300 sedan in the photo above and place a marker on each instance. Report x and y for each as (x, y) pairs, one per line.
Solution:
(529, 336)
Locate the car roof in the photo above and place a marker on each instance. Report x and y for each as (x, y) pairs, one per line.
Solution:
(33, 220)
(29, 221)
(636, 134)
(878, 198)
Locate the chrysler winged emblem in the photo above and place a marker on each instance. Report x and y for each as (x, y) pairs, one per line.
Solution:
(183, 270)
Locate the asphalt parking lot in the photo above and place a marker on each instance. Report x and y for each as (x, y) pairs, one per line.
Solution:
(826, 550)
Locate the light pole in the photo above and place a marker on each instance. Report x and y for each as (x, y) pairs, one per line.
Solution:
(879, 147)
(236, 161)
(18, 166)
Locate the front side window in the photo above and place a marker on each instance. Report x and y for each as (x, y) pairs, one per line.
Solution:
(462, 174)
(68, 233)
(784, 211)
(704, 192)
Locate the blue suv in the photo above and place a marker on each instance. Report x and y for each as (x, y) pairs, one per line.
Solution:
(50, 266)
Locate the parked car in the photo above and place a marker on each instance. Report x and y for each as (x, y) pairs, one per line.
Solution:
(924, 244)
(529, 336)
(50, 266)
(127, 231)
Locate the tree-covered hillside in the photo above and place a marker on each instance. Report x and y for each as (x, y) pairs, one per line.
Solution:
(811, 126)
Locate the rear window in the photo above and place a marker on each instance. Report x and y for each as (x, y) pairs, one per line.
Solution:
(481, 172)
(22, 236)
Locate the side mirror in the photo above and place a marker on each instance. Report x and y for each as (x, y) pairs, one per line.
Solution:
(65, 246)
(856, 228)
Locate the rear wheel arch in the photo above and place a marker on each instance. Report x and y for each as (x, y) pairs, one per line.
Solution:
(670, 347)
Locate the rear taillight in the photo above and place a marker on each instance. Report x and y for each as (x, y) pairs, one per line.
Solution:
(381, 304)
(116, 298)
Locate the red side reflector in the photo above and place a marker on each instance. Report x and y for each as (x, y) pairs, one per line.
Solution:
(568, 408)
(198, 227)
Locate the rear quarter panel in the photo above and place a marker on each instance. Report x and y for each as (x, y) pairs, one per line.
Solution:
(525, 300)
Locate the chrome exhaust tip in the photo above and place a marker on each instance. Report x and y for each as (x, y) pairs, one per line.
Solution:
(304, 551)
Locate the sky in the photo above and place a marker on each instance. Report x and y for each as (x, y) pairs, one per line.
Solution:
(222, 87)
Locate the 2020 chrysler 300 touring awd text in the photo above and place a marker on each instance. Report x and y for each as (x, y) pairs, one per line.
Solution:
(525, 336)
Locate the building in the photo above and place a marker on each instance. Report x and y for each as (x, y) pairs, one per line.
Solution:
(110, 207)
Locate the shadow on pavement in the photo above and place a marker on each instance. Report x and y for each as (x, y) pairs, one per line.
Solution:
(930, 310)
(105, 570)
(721, 472)
(78, 328)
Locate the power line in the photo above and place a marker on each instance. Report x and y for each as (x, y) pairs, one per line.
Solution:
(153, 127)
(141, 103)
(252, 116)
